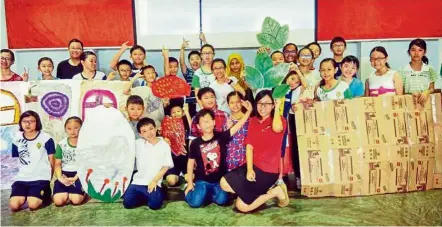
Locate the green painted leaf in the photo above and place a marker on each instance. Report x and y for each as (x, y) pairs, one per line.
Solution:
(274, 76)
(263, 62)
(91, 190)
(272, 34)
(254, 78)
(106, 197)
(280, 91)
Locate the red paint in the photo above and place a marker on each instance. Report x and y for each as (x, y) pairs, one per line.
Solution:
(379, 19)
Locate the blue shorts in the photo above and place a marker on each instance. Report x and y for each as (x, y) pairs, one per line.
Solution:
(73, 189)
(40, 189)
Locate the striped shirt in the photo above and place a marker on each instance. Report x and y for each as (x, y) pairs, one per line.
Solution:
(417, 81)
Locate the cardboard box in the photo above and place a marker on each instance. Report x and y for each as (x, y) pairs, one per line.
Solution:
(414, 104)
(436, 104)
(438, 158)
(398, 130)
(399, 176)
(422, 127)
(341, 116)
(397, 103)
(374, 154)
(316, 190)
(422, 151)
(374, 178)
(399, 152)
(437, 180)
(373, 129)
(421, 174)
(316, 167)
(437, 132)
(313, 142)
(311, 120)
(346, 165)
(347, 189)
(345, 140)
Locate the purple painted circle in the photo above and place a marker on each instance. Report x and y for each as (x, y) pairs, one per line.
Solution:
(54, 103)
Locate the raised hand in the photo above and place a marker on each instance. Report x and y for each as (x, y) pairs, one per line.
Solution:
(124, 46)
(25, 75)
(185, 44)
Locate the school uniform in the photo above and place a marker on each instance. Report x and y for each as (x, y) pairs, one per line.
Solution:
(340, 91)
(35, 169)
(66, 153)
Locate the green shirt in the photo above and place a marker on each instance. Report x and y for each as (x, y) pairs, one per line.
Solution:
(339, 91)
(417, 81)
(66, 153)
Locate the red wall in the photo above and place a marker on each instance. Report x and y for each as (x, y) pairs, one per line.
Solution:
(52, 23)
(379, 19)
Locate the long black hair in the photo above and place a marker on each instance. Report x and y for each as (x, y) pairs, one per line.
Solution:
(422, 44)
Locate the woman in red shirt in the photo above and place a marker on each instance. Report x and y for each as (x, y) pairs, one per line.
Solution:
(7, 60)
(252, 182)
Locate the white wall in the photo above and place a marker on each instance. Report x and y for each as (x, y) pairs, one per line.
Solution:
(3, 36)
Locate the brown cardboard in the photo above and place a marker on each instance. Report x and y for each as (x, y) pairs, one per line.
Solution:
(438, 158)
(414, 104)
(316, 190)
(422, 127)
(437, 180)
(341, 116)
(313, 142)
(310, 120)
(374, 178)
(398, 176)
(437, 132)
(399, 152)
(374, 153)
(421, 174)
(397, 103)
(422, 151)
(347, 189)
(398, 129)
(315, 166)
(345, 140)
(436, 104)
(346, 165)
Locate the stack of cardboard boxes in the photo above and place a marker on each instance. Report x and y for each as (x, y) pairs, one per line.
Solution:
(370, 146)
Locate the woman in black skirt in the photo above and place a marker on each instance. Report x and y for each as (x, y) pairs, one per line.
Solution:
(253, 181)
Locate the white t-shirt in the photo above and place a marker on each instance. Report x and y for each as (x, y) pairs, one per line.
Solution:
(67, 155)
(150, 159)
(221, 92)
(33, 156)
(205, 79)
(382, 85)
(312, 79)
(98, 76)
(340, 91)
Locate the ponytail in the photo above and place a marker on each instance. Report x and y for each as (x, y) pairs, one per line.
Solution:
(388, 65)
(425, 59)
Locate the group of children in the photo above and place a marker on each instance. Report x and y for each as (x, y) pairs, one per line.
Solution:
(229, 146)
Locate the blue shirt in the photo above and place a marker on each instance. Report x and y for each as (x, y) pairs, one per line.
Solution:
(356, 87)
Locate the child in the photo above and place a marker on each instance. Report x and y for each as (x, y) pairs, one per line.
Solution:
(67, 187)
(137, 54)
(124, 72)
(223, 84)
(418, 77)
(329, 88)
(290, 51)
(154, 105)
(349, 67)
(383, 81)
(208, 101)
(208, 153)
(7, 60)
(46, 66)
(277, 57)
(171, 67)
(153, 159)
(177, 134)
(236, 149)
(35, 152)
(338, 47)
(194, 58)
(235, 65)
(317, 50)
(89, 61)
(135, 110)
(204, 75)
(72, 66)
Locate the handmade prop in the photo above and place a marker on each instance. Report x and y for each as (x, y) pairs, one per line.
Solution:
(173, 129)
(170, 87)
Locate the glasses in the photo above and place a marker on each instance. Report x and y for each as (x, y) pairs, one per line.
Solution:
(305, 56)
(219, 68)
(264, 104)
(376, 59)
(206, 53)
(29, 122)
(5, 59)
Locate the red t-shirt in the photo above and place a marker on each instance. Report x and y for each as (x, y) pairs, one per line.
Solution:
(266, 144)
(15, 77)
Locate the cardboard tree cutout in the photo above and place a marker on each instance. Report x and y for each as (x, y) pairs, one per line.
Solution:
(264, 75)
(105, 154)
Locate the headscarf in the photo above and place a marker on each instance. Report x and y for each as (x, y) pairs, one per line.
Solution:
(238, 74)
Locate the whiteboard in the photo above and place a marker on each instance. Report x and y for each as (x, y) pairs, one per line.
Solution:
(167, 22)
(234, 23)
